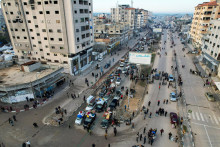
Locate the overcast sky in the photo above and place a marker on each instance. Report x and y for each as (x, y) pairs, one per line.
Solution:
(156, 6)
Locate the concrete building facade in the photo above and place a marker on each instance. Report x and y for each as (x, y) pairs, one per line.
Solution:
(53, 31)
(203, 14)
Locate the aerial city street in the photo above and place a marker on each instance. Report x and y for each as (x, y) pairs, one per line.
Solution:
(94, 73)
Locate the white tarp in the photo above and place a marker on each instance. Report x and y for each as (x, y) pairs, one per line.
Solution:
(5, 47)
(218, 85)
(139, 58)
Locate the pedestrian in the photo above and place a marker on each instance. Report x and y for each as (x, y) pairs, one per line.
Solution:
(170, 135)
(164, 101)
(84, 98)
(165, 113)
(150, 114)
(109, 145)
(132, 125)
(140, 137)
(9, 120)
(161, 132)
(144, 130)
(130, 119)
(145, 139)
(159, 87)
(115, 131)
(147, 111)
(93, 145)
(167, 101)
(106, 136)
(14, 117)
(125, 107)
(28, 143)
(133, 114)
(65, 111)
(137, 138)
(149, 103)
(176, 139)
(158, 102)
(12, 123)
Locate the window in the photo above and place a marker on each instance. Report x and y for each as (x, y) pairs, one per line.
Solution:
(23, 30)
(25, 3)
(61, 48)
(41, 50)
(77, 30)
(216, 36)
(25, 37)
(46, 46)
(55, 2)
(40, 12)
(82, 20)
(60, 39)
(39, 42)
(83, 36)
(11, 29)
(9, 21)
(57, 21)
(34, 45)
(29, 21)
(74, 2)
(48, 54)
(18, 37)
(59, 31)
(42, 57)
(13, 37)
(53, 47)
(9, 4)
(39, 3)
(32, 37)
(65, 62)
(57, 12)
(87, 35)
(38, 34)
(45, 2)
(50, 30)
(47, 12)
(43, 30)
(27, 12)
(36, 26)
(45, 38)
(55, 54)
(31, 30)
(75, 11)
(77, 39)
(77, 47)
(16, 29)
(51, 39)
(34, 17)
(76, 21)
(11, 13)
(57, 61)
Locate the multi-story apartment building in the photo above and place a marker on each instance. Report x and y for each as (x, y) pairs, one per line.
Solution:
(125, 14)
(140, 20)
(211, 46)
(203, 14)
(53, 31)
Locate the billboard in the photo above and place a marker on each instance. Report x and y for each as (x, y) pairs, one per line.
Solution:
(139, 58)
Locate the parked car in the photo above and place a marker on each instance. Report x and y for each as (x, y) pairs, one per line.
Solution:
(118, 81)
(100, 105)
(91, 101)
(80, 117)
(107, 65)
(100, 59)
(106, 98)
(113, 104)
(210, 96)
(90, 118)
(173, 97)
(173, 118)
(171, 79)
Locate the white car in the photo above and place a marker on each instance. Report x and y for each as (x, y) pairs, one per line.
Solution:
(173, 97)
(80, 117)
(100, 59)
(118, 81)
(122, 65)
(90, 107)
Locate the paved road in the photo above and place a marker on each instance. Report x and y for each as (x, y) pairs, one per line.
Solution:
(205, 118)
(49, 135)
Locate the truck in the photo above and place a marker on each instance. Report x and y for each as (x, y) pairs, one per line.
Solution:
(90, 118)
(91, 101)
(80, 117)
(106, 120)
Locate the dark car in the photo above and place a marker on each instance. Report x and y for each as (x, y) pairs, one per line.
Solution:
(173, 118)
(88, 121)
(117, 72)
(107, 65)
(113, 104)
(99, 107)
(105, 123)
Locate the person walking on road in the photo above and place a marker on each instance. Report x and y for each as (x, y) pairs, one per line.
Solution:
(140, 137)
(115, 131)
(145, 139)
(150, 114)
(14, 118)
(158, 102)
(106, 136)
(170, 135)
(161, 132)
(137, 138)
(167, 101)
(144, 130)
(165, 114)
(176, 139)
(125, 108)
(149, 103)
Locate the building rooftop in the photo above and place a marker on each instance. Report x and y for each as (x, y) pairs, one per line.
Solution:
(208, 4)
(14, 76)
(130, 8)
